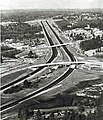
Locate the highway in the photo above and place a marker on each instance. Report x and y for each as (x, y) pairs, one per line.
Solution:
(54, 54)
(51, 84)
(61, 42)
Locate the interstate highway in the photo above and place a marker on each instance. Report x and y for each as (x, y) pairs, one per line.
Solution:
(54, 82)
(54, 54)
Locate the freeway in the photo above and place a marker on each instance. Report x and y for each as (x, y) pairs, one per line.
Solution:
(49, 85)
(61, 42)
(54, 54)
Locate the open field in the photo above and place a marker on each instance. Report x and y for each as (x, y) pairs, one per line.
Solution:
(10, 77)
(43, 81)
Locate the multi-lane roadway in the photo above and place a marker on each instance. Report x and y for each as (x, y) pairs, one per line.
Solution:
(54, 54)
(66, 73)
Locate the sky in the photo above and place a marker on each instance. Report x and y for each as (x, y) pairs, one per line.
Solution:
(50, 4)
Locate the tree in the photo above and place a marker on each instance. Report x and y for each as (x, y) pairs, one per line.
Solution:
(71, 35)
(1, 59)
(30, 54)
(26, 84)
(38, 41)
(23, 113)
(100, 107)
(81, 108)
(38, 115)
(51, 117)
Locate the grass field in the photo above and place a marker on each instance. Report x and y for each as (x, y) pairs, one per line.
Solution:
(43, 82)
(10, 77)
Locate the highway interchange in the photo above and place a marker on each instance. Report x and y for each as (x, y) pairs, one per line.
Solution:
(50, 35)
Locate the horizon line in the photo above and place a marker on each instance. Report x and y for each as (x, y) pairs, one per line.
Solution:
(49, 8)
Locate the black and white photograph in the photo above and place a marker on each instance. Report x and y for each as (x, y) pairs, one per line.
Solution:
(51, 54)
